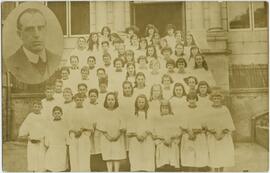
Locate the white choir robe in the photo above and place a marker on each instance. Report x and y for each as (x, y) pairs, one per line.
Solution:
(56, 139)
(141, 154)
(68, 84)
(58, 97)
(47, 107)
(194, 153)
(75, 74)
(177, 105)
(112, 122)
(34, 126)
(154, 108)
(221, 152)
(117, 78)
(95, 111)
(166, 128)
(80, 147)
(171, 41)
(67, 109)
(126, 104)
(154, 78)
(167, 93)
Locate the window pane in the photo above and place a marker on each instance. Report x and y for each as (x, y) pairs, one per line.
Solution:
(260, 14)
(7, 7)
(80, 19)
(238, 15)
(59, 9)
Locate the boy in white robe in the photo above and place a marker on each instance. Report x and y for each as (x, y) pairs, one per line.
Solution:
(33, 128)
(49, 102)
(80, 130)
(56, 141)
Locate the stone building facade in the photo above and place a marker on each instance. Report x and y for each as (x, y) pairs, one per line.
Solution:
(233, 36)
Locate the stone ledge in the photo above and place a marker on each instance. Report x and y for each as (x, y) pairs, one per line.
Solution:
(216, 51)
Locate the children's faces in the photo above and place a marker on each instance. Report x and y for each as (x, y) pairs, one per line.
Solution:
(49, 93)
(179, 49)
(58, 87)
(194, 51)
(67, 95)
(127, 89)
(93, 97)
(82, 90)
(203, 89)
(166, 81)
(141, 103)
(57, 114)
(192, 101)
(91, 62)
(118, 65)
(79, 101)
(94, 37)
(151, 51)
(37, 108)
(216, 100)
(111, 101)
(131, 69)
(156, 92)
(199, 60)
(103, 87)
(140, 80)
(74, 61)
(64, 74)
(178, 91)
(191, 82)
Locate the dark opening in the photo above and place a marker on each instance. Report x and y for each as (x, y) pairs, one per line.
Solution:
(158, 13)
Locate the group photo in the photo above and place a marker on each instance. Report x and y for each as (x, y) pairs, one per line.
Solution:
(135, 92)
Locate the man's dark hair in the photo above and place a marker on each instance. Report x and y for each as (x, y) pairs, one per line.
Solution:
(31, 11)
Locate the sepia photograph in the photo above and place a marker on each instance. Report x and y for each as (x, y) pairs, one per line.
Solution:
(128, 86)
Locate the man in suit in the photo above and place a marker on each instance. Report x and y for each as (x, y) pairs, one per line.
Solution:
(32, 63)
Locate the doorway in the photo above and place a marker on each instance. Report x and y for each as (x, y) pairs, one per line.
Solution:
(159, 14)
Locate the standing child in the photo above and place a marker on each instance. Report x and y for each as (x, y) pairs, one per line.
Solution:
(179, 52)
(80, 50)
(142, 48)
(58, 94)
(155, 72)
(167, 141)
(112, 139)
(191, 84)
(220, 126)
(94, 108)
(80, 130)
(150, 30)
(194, 149)
(167, 55)
(56, 141)
(178, 100)
(194, 51)
(131, 72)
(139, 132)
(142, 64)
(151, 53)
(33, 127)
(129, 57)
(93, 43)
(140, 86)
(189, 42)
(167, 84)
(68, 103)
(156, 96)
(181, 71)
(178, 37)
(48, 102)
(170, 36)
(203, 91)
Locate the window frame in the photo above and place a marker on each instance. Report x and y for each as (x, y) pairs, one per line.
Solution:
(253, 20)
(239, 29)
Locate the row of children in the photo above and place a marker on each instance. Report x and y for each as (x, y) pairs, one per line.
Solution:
(187, 130)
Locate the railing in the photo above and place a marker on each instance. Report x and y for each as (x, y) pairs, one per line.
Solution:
(260, 129)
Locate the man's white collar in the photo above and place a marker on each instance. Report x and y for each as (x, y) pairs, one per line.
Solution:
(33, 58)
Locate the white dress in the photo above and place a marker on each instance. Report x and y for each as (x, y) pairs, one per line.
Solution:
(112, 122)
(154, 108)
(221, 152)
(194, 153)
(141, 154)
(56, 139)
(80, 147)
(166, 127)
(177, 105)
(34, 127)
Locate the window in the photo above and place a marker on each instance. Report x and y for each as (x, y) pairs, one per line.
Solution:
(239, 15)
(247, 15)
(80, 18)
(59, 9)
(260, 18)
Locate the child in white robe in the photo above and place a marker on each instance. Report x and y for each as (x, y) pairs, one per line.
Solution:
(178, 100)
(194, 149)
(140, 132)
(156, 95)
(80, 130)
(220, 126)
(56, 141)
(33, 127)
(112, 139)
(167, 141)
(140, 86)
(48, 102)
(191, 84)
(181, 70)
(167, 84)
(203, 91)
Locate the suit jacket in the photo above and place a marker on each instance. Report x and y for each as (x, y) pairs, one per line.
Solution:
(24, 71)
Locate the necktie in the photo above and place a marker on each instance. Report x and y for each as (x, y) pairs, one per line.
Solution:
(41, 66)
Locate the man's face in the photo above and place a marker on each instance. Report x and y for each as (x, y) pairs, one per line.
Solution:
(33, 31)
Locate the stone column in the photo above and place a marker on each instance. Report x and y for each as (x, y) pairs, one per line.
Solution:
(118, 16)
(197, 22)
(101, 15)
(215, 16)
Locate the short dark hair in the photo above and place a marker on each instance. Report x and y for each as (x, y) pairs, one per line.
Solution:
(91, 57)
(82, 84)
(93, 91)
(65, 69)
(31, 11)
(180, 60)
(57, 108)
